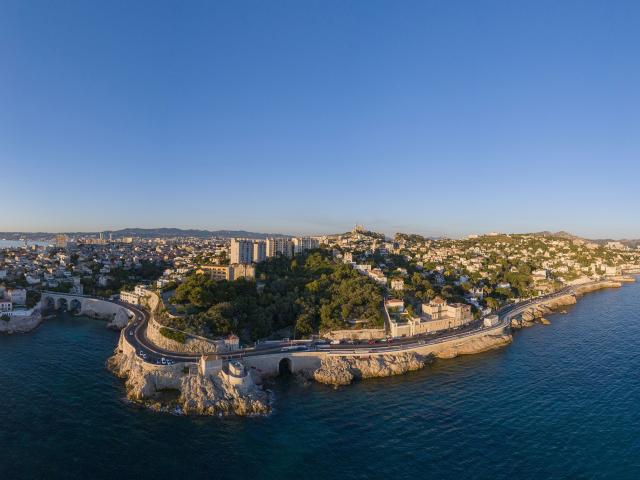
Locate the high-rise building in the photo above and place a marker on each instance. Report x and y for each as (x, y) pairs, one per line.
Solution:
(259, 251)
(61, 241)
(302, 244)
(241, 250)
(279, 246)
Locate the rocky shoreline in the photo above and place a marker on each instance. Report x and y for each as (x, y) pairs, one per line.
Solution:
(22, 323)
(181, 390)
(342, 370)
(537, 313)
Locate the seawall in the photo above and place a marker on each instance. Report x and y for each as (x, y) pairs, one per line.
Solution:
(329, 366)
(117, 315)
(21, 323)
(191, 344)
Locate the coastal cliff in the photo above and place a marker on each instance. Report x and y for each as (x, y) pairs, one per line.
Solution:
(342, 370)
(536, 313)
(178, 389)
(473, 345)
(212, 395)
(117, 316)
(21, 323)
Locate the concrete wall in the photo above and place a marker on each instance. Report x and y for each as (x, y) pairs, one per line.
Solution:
(364, 334)
(117, 315)
(192, 344)
(268, 365)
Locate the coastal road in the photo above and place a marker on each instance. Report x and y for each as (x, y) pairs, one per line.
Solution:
(135, 334)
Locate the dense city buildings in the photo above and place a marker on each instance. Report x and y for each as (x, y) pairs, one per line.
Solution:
(241, 250)
(259, 251)
(303, 244)
(437, 315)
(441, 283)
(279, 247)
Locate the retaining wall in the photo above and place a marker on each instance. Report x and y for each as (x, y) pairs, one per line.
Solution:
(363, 334)
(192, 344)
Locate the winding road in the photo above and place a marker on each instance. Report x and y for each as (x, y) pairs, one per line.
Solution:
(135, 334)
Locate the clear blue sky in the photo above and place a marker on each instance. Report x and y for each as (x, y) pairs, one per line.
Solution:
(436, 117)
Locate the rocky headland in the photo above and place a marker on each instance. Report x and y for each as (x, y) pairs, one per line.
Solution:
(186, 390)
(21, 323)
(180, 389)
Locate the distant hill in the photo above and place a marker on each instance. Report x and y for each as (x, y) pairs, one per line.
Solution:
(147, 233)
(560, 234)
(632, 243)
(178, 232)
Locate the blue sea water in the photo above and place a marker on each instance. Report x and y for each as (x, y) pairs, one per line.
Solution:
(563, 401)
(19, 243)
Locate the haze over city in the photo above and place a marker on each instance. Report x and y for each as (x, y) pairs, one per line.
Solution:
(439, 118)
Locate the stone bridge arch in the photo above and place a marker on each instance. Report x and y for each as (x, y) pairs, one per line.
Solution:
(50, 301)
(75, 305)
(62, 303)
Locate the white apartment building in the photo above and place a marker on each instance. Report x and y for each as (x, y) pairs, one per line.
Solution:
(279, 246)
(302, 244)
(130, 297)
(241, 250)
(259, 251)
(436, 316)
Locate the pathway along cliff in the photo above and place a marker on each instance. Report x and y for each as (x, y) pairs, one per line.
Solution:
(188, 386)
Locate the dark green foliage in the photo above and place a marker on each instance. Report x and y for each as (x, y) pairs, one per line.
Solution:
(310, 293)
(173, 335)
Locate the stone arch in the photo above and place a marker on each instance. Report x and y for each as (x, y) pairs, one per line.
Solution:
(75, 305)
(62, 304)
(285, 367)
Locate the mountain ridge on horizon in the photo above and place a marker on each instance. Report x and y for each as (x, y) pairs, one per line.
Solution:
(169, 232)
(151, 233)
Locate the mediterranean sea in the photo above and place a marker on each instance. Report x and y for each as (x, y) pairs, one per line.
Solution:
(19, 243)
(562, 401)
